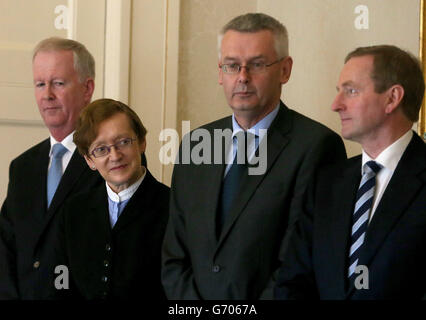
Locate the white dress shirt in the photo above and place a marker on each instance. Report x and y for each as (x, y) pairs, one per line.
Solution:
(263, 125)
(118, 201)
(388, 159)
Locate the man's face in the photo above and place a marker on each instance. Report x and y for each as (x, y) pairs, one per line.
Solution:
(252, 95)
(361, 109)
(59, 93)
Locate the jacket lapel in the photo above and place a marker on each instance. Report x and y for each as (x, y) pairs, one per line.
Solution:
(338, 228)
(402, 188)
(277, 139)
(139, 204)
(210, 184)
(74, 170)
(41, 180)
(212, 188)
(99, 209)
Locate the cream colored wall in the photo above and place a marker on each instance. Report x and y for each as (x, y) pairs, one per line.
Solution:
(322, 32)
(23, 24)
(173, 66)
(173, 59)
(147, 72)
(154, 73)
(200, 97)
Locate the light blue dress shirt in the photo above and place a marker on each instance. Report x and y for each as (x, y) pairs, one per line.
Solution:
(264, 124)
(117, 202)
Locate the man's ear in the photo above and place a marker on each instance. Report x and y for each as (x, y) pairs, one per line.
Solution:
(286, 64)
(90, 163)
(220, 74)
(89, 85)
(395, 94)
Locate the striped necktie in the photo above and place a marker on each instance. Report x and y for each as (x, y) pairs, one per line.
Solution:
(360, 218)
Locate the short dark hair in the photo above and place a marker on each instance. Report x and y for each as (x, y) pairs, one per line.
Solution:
(97, 112)
(391, 66)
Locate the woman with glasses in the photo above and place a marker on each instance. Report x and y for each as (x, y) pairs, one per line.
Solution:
(110, 238)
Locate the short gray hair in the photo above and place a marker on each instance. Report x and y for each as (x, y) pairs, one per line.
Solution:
(254, 22)
(84, 63)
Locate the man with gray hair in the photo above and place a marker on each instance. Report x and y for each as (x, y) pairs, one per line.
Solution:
(43, 177)
(227, 227)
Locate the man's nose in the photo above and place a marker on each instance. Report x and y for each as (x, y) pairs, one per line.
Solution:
(244, 74)
(337, 104)
(48, 92)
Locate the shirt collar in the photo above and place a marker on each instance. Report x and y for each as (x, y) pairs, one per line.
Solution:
(265, 123)
(67, 143)
(127, 193)
(390, 157)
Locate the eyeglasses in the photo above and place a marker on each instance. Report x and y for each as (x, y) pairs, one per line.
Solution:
(102, 151)
(252, 67)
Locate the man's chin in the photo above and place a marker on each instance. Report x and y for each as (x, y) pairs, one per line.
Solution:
(53, 123)
(243, 107)
(348, 135)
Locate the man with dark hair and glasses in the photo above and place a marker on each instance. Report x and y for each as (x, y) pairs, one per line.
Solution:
(228, 223)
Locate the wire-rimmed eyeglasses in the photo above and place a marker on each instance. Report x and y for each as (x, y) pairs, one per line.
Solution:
(251, 67)
(104, 150)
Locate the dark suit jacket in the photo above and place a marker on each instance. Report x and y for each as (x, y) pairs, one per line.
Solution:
(315, 266)
(128, 255)
(241, 263)
(27, 227)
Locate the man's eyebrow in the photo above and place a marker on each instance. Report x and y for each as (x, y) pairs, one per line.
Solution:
(233, 59)
(347, 83)
(344, 85)
(230, 59)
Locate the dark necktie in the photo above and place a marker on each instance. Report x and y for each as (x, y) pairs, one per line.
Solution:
(232, 181)
(360, 217)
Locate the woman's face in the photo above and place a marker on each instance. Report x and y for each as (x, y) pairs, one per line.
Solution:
(121, 167)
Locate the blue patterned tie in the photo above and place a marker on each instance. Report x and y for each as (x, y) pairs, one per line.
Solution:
(360, 218)
(55, 172)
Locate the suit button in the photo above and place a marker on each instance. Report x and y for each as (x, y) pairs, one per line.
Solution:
(216, 268)
(104, 279)
(106, 263)
(108, 247)
(36, 264)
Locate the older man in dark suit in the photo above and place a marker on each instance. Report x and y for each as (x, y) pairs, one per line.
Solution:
(228, 221)
(363, 231)
(43, 177)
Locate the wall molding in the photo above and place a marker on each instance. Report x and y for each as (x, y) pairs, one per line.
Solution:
(21, 123)
(171, 73)
(117, 50)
